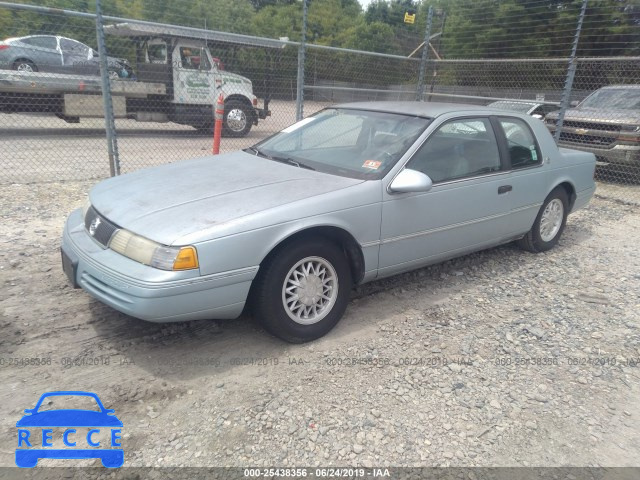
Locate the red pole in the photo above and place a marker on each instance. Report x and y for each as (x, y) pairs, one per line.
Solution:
(217, 129)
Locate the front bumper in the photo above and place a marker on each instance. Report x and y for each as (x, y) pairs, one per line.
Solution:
(618, 155)
(149, 293)
(262, 113)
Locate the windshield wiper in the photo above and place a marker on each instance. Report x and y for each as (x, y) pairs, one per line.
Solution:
(287, 160)
(290, 161)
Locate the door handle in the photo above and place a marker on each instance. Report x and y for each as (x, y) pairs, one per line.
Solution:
(504, 189)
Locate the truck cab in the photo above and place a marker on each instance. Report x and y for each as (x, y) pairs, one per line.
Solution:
(193, 83)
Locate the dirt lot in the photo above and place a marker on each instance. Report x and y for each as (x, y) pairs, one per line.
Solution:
(500, 358)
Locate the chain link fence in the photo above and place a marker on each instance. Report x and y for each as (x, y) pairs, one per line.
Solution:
(165, 79)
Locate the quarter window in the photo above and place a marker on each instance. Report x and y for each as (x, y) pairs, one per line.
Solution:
(523, 150)
(459, 148)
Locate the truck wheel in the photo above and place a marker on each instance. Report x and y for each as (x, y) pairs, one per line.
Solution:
(24, 65)
(238, 119)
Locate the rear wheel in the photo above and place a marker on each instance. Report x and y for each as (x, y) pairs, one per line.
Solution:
(24, 65)
(549, 223)
(302, 292)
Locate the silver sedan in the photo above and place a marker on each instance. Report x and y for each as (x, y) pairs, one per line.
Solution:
(55, 54)
(354, 193)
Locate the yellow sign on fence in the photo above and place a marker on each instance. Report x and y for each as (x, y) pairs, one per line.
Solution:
(409, 17)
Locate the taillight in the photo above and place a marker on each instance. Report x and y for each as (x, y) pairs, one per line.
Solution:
(4, 47)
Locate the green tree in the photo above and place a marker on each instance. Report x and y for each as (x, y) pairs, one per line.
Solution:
(371, 37)
(328, 18)
(275, 21)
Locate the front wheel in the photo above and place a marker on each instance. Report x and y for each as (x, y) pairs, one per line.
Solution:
(549, 223)
(303, 290)
(238, 118)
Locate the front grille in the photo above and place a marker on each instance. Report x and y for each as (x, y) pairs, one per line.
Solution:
(603, 127)
(593, 140)
(99, 227)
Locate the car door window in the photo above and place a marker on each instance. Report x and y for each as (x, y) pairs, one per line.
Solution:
(523, 149)
(459, 148)
(194, 58)
(42, 42)
(71, 46)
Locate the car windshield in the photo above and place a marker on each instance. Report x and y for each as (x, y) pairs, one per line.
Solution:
(349, 142)
(616, 98)
(513, 106)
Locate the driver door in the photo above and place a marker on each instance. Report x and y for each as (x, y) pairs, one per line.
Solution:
(193, 76)
(75, 58)
(466, 209)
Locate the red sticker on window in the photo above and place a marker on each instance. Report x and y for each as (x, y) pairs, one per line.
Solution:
(372, 164)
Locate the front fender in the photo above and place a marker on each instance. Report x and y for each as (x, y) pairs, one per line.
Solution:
(249, 249)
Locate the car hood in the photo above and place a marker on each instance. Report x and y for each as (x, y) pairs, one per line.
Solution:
(69, 418)
(169, 202)
(626, 117)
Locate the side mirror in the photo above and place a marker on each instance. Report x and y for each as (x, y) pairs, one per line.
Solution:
(409, 181)
(574, 103)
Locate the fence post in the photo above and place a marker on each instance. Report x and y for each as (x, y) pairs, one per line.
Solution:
(571, 72)
(441, 56)
(301, 49)
(112, 142)
(425, 54)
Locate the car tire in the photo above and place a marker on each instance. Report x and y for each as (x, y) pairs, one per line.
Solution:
(238, 119)
(114, 75)
(276, 300)
(24, 65)
(549, 224)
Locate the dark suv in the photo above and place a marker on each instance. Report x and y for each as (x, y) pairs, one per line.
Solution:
(607, 124)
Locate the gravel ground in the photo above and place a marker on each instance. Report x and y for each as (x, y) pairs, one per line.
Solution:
(500, 358)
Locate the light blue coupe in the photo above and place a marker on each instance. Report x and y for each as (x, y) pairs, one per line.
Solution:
(354, 193)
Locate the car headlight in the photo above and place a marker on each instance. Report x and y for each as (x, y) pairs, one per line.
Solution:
(153, 254)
